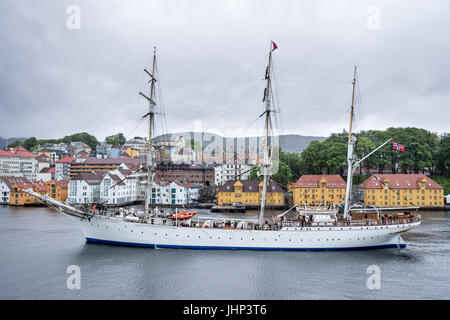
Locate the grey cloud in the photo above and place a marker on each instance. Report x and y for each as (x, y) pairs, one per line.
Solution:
(55, 82)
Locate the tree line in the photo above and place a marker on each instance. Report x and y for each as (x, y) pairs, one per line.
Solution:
(424, 150)
(32, 143)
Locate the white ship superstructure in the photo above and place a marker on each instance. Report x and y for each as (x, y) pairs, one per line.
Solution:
(305, 229)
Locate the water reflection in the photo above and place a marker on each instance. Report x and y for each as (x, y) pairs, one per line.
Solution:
(41, 244)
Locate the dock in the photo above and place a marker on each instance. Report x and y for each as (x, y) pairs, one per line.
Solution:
(228, 209)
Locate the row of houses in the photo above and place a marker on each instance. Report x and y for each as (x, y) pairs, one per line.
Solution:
(121, 186)
(12, 190)
(381, 190)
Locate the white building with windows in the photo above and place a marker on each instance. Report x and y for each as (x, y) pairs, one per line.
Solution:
(118, 187)
(226, 172)
(84, 188)
(18, 162)
(174, 193)
(62, 168)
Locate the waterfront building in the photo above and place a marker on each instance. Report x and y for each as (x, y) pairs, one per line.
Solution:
(227, 172)
(319, 189)
(249, 193)
(200, 174)
(118, 187)
(57, 189)
(18, 162)
(7, 185)
(54, 189)
(103, 165)
(395, 190)
(20, 198)
(174, 193)
(85, 188)
(62, 168)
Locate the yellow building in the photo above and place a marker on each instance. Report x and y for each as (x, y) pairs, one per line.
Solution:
(18, 197)
(394, 190)
(249, 193)
(55, 189)
(319, 189)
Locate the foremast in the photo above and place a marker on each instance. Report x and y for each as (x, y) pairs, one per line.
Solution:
(151, 116)
(266, 165)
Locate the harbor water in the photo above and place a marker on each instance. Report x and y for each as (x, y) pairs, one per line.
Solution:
(37, 245)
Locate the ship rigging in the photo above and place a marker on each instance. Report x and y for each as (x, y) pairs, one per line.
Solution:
(308, 229)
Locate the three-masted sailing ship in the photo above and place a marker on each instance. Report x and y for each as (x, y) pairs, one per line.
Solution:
(306, 229)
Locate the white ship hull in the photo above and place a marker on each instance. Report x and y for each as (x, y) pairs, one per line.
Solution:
(118, 232)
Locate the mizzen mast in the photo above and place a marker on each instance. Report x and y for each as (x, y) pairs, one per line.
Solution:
(151, 115)
(351, 143)
(266, 165)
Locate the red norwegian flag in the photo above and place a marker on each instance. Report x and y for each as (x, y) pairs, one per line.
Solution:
(274, 46)
(401, 147)
(395, 146)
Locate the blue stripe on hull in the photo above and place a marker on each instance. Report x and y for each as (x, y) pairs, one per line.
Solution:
(132, 244)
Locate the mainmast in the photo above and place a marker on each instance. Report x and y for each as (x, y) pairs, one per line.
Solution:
(351, 143)
(266, 161)
(151, 115)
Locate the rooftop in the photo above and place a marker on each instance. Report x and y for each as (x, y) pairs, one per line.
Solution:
(314, 180)
(400, 181)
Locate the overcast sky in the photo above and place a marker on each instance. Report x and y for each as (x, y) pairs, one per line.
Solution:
(55, 81)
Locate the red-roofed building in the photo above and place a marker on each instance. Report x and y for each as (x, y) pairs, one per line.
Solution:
(18, 162)
(104, 165)
(394, 190)
(319, 189)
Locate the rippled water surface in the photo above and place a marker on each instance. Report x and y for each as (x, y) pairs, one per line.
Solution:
(37, 245)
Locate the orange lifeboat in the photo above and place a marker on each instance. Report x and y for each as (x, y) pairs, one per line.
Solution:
(183, 215)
